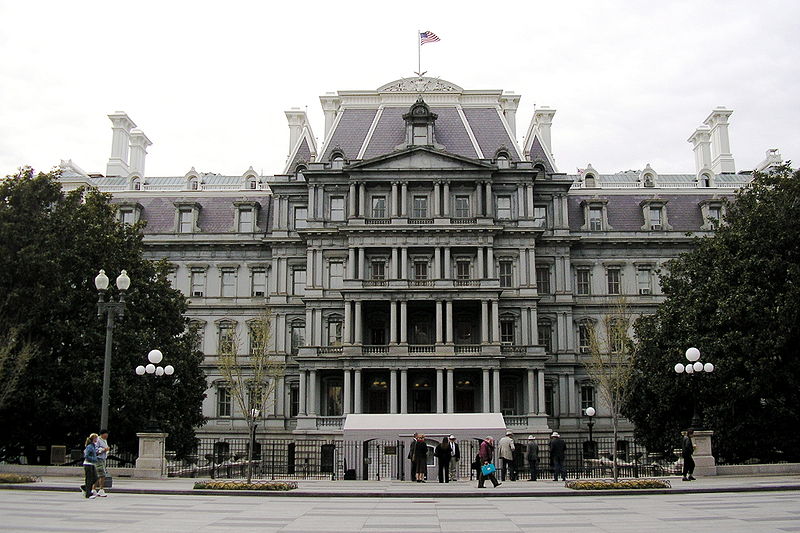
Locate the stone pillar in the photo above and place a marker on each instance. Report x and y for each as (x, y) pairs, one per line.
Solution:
(357, 387)
(404, 199)
(524, 325)
(439, 390)
(280, 394)
(303, 394)
(446, 199)
(439, 325)
(312, 204)
(362, 270)
(393, 200)
(437, 263)
(436, 198)
(358, 339)
(524, 280)
(572, 402)
(351, 263)
(403, 322)
(489, 200)
(520, 201)
(309, 268)
(480, 210)
(481, 272)
(450, 391)
(496, 390)
(486, 407)
(489, 262)
(393, 391)
(392, 322)
(348, 392)
(484, 322)
(529, 196)
(403, 391)
(531, 386)
(309, 327)
(348, 323)
(403, 263)
(362, 200)
(151, 462)
(705, 464)
(312, 393)
(449, 314)
(448, 271)
(351, 201)
(495, 321)
(318, 327)
(395, 266)
(540, 403)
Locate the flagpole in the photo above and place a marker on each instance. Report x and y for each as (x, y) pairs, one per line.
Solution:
(419, 54)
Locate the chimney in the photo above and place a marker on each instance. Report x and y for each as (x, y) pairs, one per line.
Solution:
(543, 119)
(509, 104)
(330, 106)
(139, 144)
(121, 126)
(701, 139)
(721, 158)
(297, 119)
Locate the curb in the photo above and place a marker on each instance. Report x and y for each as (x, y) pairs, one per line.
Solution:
(297, 493)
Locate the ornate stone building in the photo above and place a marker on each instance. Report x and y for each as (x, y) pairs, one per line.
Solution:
(420, 260)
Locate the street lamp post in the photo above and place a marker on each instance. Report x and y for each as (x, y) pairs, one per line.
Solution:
(111, 309)
(590, 412)
(154, 357)
(694, 366)
(254, 417)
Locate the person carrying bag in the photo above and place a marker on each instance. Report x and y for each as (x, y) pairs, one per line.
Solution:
(488, 469)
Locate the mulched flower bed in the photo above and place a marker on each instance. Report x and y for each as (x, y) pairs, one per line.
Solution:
(244, 485)
(609, 484)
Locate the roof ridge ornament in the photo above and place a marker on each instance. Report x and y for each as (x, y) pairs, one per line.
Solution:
(420, 84)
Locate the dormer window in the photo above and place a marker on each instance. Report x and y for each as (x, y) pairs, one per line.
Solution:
(128, 213)
(595, 215)
(712, 210)
(419, 124)
(654, 213)
(136, 184)
(194, 185)
(186, 217)
(246, 216)
(337, 160)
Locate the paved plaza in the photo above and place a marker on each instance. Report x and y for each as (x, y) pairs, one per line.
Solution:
(69, 511)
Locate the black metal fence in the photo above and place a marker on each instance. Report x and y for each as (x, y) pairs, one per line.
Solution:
(388, 459)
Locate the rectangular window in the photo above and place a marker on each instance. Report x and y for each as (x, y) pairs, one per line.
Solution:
(613, 281)
(420, 135)
(224, 403)
(543, 279)
(300, 217)
(617, 334)
(334, 333)
(587, 397)
(126, 216)
(298, 337)
(655, 218)
(462, 269)
(246, 222)
(507, 332)
(420, 270)
(549, 397)
(198, 283)
(714, 214)
(299, 281)
(540, 216)
(378, 269)
(335, 275)
(378, 207)
(294, 400)
(258, 336)
(462, 206)
(583, 281)
(643, 280)
(595, 218)
(258, 283)
(545, 331)
(228, 283)
(504, 207)
(227, 338)
(337, 208)
(506, 270)
(185, 220)
(420, 207)
(334, 395)
(584, 337)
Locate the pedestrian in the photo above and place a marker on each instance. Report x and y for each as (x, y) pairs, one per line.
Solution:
(558, 449)
(420, 458)
(411, 456)
(90, 473)
(455, 456)
(533, 457)
(485, 455)
(507, 448)
(442, 452)
(687, 450)
(100, 465)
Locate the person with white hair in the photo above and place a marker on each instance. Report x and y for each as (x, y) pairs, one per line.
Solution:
(558, 449)
(506, 451)
(533, 457)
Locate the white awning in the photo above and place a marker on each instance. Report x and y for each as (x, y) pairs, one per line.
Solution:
(396, 426)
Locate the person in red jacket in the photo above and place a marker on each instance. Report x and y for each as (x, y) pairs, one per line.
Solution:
(486, 455)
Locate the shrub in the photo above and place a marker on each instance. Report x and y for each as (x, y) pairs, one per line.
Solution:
(607, 484)
(244, 485)
(17, 478)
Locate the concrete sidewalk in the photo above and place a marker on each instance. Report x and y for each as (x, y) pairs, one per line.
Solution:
(406, 489)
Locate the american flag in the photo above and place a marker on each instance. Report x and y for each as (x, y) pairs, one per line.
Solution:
(428, 37)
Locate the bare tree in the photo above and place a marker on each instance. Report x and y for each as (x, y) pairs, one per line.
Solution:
(609, 363)
(15, 354)
(251, 378)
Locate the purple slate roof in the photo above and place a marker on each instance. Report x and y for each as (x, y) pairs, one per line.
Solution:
(539, 155)
(625, 213)
(217, 215)
(489, 131)
(350, 132)
(389, 132)
(449, 131)
(303, 155)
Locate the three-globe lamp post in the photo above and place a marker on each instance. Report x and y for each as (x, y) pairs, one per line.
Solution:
(153, 368)
(695, 366)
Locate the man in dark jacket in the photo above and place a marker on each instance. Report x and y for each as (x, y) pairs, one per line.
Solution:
(687, 450)
(558, 449)
(532, 454)
(442, 452)
(455, 457)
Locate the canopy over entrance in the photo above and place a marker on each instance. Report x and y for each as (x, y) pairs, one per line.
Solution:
(397, 426)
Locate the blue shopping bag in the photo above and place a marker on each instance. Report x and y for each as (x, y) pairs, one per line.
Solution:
(488, 469)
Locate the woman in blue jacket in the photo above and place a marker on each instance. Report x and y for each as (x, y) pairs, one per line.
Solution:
(89, 460)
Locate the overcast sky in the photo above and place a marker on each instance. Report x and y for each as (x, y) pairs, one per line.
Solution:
(208, 81)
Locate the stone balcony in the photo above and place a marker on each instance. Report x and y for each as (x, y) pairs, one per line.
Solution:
(424, 350)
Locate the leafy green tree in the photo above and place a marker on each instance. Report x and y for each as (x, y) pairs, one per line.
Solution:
(51, 246)
(736, 297)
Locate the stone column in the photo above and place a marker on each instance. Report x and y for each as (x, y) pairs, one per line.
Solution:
(486, 407)
(403, 263)
(357, 387)
(524, 280)
(303, 394)
(392, 322)
(495, 321)
(520, 201)
(439, 390)
(362, 200)
(481, 271)
(524, 325)
(496, 390)
(449, 314)
(403, 390)
(529, 194)
(403, 322)
(404, 199)
(531, 385)
(280, 394)
(362, 270)
(318, 327)
(572, 404)
(309, 327)
(540, 403)
(276, 215)
(393, 391)
(448, 271)
(439, 325)
(480, 210)
(358, 339)
(437, 263)
(351, 201)
(312, 207)
(436, 198)
(490, 262)
(485, 322)
(489, 200)
(393, 200)
(283, 275)
(446, 199)
(395, 266)
(351, 263)
(450, 391)
(348, 323)
(312, 393)
(151, 462)
(348, 392)
(309, 268)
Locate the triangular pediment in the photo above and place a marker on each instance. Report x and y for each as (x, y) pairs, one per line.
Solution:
(420, 158)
